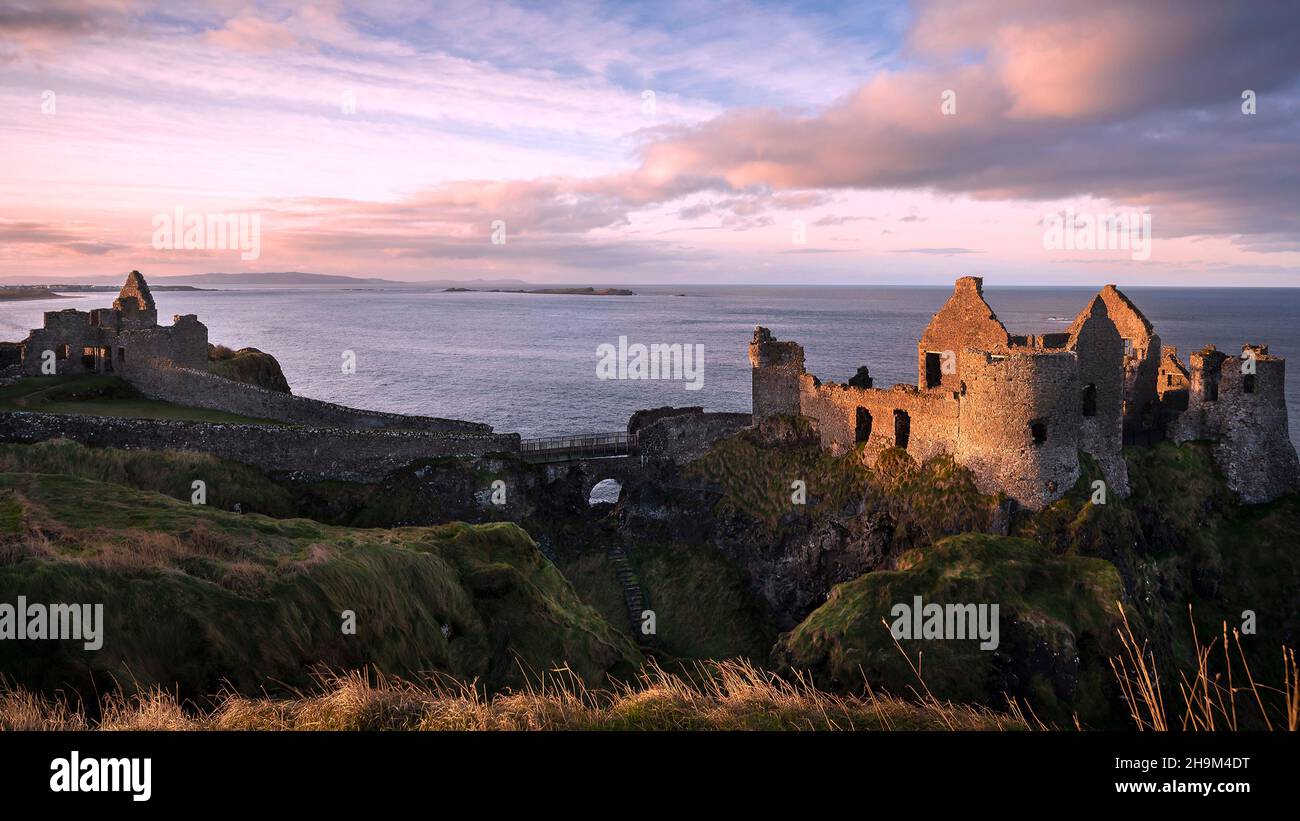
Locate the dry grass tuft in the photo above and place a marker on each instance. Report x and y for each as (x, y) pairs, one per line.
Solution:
(726, 695)
(1209, 696)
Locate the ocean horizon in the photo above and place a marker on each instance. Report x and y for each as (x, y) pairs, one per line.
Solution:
(528, 362)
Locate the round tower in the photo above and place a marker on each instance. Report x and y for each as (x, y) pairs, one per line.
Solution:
(1020, 420)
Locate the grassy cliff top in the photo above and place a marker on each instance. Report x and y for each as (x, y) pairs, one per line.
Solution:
(197, 598)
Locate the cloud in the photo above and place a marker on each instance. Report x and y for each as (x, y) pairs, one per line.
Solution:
(51, 239)
(248, 32)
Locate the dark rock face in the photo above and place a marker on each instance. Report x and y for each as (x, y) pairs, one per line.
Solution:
(791, 566)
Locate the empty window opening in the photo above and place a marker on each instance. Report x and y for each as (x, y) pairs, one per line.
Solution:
(862, 427)
(1211, 384)
(933, 370)
(121, 355)
(1128, 347)
(1248, 383)
(63, 352)
(902, 428)
(88, 358)
(1089, 400)
(106, 356)
(1038, 429)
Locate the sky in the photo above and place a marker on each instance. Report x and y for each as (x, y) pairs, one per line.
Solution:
(666, 142)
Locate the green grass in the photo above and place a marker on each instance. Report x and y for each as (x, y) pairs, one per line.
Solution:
(103, 395)
(196, 598)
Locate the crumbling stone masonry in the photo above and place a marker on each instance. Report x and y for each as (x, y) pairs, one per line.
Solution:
(171, 364)
(119, 339)
(1240, 405)
(1018, 410)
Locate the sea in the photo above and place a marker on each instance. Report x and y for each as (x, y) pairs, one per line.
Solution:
(532, 363)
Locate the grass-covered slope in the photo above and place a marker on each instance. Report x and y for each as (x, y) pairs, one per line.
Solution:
(1057, 616)
(195, 598)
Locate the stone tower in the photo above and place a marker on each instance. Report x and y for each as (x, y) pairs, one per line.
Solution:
(777, 367)
(1019, 424)
(1240, 405)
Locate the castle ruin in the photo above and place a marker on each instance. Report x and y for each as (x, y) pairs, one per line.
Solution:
(117, 340)
(1017, 410)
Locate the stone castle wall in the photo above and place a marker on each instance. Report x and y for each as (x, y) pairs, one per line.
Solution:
(680, 438)
(846, 417)
(1100, 349)
(1019, 428)
(965, 320)
(1245, 415)
(777, 367)
(200, 389)
(1141, 366)
(313, 453)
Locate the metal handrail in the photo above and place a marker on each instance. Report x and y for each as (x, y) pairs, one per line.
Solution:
(580, 445)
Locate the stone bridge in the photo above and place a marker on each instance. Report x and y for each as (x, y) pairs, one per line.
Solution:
(594, 456)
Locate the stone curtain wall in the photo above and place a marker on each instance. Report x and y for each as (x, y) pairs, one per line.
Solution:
(833, 409)
(201, 389)
(314, 453)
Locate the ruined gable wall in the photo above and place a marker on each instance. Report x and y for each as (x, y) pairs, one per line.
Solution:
(832, 408)
(965, 320)
(774, 380)
(1173, 382)
(1250, 431)
(1003, 396)
(1141, 366)
(1097, 342)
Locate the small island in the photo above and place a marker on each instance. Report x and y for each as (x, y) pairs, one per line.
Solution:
(14, 293)
(588, 291)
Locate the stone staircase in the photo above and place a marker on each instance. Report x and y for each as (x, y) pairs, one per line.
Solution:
(631, 591)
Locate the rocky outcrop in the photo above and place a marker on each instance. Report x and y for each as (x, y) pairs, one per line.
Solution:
(247, 365)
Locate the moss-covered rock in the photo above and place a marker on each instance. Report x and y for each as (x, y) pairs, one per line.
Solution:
(1057, 621)
(248, 365)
